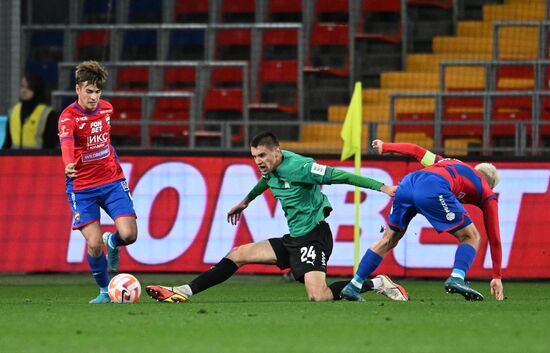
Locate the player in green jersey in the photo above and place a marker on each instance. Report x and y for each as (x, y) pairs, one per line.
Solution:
(296, 182)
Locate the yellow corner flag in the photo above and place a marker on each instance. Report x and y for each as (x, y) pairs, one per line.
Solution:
(351, 131)
(351, 134)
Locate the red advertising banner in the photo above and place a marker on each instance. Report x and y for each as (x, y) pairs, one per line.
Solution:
(182, 205)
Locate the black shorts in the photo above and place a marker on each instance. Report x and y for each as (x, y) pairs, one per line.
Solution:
(306, 253)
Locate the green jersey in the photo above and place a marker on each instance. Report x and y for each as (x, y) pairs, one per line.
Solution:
(296, 184)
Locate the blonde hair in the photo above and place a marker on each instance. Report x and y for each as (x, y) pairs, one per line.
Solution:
(490, 173)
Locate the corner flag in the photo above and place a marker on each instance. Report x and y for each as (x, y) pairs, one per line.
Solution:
(351, 131)
(351, 134)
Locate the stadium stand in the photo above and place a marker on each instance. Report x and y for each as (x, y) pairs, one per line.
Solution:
(191, 11)
(242, 11)
(285, 11)
(233, 44)
(93, 45)
(170, 110)
(303, 57)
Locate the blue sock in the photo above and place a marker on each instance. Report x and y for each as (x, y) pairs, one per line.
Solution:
(368, 264)
(465, 255)
(99, 271)
(115, 240)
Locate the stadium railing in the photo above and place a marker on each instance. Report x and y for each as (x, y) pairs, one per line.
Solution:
(163, 40)
(542, 26)
(156, 68)
(147, 104)
(523, 129)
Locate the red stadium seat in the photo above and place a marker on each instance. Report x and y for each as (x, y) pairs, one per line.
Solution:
(278, 71)
(329, 34)
(333, 11)
(544, 128)
(280, 37)
(386, 7)
(224, 104)
(132, 79)
(170, 110)
(239, 10)
(442, 4)
(328, 50)
(510, 109)
(230, 99)
(381, 6)
(195, 11)
(126, 110)
(233, 44)
(93, 45)
(409, 120)
(280, 44)
(462, 109)
(179, 79)
(285, 11)
(227, 77)
(525, 72)
(277, 86)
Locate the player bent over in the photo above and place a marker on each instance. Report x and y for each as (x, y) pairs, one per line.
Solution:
(94, 177)
(438, 192)
(295, 181)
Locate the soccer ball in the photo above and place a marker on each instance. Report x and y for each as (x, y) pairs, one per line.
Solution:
(124, 288)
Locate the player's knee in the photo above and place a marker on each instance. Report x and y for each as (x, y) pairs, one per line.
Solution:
(236, 255)
(475, 239)
(95, 247)
(128, 234)
(129, 237)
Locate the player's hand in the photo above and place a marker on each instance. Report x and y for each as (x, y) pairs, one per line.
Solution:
(389, 190)
(234, 214)
(496, 289)
(70, 170)
(377, 145)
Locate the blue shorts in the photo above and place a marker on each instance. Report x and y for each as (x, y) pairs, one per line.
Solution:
(430, 195)
(114, 198)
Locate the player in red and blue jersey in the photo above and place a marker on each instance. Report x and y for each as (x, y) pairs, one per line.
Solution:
(94, 177)
(438, 192)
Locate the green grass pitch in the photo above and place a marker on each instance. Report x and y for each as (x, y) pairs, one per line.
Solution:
(49, 313)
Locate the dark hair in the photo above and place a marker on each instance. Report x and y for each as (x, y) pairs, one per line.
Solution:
(37, 86)
(266, 138)
(91, 72)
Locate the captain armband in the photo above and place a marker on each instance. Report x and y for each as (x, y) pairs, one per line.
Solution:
(428, 159)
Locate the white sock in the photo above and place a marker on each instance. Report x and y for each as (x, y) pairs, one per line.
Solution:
(376, 283)
(185, 289)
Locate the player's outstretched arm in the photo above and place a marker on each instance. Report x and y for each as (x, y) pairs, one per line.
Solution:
(234, 213)
(377, 145)
(342, 177)
(497, 289)
(421, 154)
(389, 190)
(490, 218)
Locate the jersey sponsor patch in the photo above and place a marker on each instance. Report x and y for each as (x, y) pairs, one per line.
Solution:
(95, 155)
(318, 169)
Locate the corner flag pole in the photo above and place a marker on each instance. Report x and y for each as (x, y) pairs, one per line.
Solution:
(351, 136)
